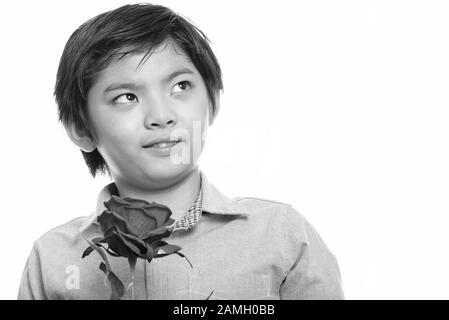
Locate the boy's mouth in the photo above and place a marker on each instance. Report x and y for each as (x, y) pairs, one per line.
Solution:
(162, 143)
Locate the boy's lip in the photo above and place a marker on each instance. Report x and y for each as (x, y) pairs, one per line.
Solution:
(162, 139)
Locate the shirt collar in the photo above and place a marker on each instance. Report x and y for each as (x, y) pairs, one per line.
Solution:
(213, 202)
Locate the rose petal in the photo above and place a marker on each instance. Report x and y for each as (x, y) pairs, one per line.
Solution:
(160, 205)
(157, 234)
(98, 241)
(109, 219)
(116, 245)
(169, 222)
(157, 244)
(138, 222)
(119, 201)
(136, 203)
(149, 254)
(158, 231)
(161, 213)
(115, 203)
(133, 238)
(135, 244)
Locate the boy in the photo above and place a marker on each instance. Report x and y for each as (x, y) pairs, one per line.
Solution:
(137, 88)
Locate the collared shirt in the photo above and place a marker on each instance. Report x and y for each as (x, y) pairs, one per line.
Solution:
(241, 248)
(193, 215)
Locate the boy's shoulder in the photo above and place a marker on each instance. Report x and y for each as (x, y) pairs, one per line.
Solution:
(66, 232)
(280, 216)
(259, 201)
(257, 206)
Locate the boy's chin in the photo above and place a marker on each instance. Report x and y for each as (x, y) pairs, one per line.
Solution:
(168, 174)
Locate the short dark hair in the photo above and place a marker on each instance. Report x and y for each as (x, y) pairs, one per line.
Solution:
(125, 30)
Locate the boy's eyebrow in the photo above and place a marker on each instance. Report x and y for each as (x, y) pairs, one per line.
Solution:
(135, 87)
(176, 73)
(127, 85)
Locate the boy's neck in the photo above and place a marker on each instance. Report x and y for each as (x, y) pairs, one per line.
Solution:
(179, 197)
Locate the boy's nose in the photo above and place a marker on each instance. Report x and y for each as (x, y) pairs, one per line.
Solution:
(159, 115)
(160, 120)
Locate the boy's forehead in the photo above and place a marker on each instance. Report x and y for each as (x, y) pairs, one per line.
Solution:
(167, 52)
(156, 62)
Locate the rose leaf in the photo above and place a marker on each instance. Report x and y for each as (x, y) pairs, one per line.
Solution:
(210, 294)
(91, 248)
(183, 256)
(170, 248)
(99, 251)
(117, 287)
(87, 252)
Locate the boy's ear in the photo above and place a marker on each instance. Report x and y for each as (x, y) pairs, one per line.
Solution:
(80, 138)
(212, 116)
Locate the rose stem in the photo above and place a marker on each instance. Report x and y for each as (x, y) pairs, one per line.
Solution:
(146, 279)
(132, 264)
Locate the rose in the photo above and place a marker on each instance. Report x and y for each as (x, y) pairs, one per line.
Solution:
(132, 228)
(135, 228)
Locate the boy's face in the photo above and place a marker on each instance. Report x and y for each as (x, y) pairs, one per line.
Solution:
(130, 106)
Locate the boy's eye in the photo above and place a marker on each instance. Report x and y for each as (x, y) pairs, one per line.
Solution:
(126, 98)
(181, 86)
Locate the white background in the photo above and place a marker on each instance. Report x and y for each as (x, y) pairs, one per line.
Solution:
(337, 107)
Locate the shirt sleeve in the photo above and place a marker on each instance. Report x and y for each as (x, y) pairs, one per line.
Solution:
(310, 269)
(31, 284)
